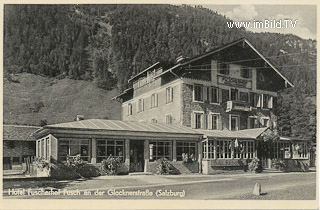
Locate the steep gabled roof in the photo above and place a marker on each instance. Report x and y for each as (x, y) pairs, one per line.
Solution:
(225, 47)
(19, 132)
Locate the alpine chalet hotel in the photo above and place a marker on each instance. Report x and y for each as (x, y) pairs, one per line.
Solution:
(213, 109)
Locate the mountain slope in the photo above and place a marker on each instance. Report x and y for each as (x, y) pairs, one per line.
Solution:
(33, 98)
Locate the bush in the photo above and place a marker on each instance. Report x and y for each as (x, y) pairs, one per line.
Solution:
(110, 166)
(72, 169)
(163, 166)
(40, 162)
(255, 165)
(279, 164)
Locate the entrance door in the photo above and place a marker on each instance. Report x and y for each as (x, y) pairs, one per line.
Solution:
(136, 156)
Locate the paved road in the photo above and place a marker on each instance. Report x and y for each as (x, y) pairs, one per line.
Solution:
(200, 187)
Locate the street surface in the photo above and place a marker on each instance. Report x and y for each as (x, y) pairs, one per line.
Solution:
(275, 186)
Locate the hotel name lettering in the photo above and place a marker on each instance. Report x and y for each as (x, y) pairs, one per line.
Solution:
(234, 82)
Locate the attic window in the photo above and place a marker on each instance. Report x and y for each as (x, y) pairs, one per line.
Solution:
(223, 68)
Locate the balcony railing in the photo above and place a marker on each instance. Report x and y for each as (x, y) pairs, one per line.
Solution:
(238, 106)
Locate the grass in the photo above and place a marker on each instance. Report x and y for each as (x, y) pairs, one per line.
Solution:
(35, 97)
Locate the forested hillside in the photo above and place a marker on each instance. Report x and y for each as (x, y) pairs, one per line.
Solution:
(105, 45)
(110, 43)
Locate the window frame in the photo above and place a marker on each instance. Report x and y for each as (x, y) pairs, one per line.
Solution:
(186, 144)
(110, 143)
(211, 124)
(130, 109)
(157, 145)
(237, 123)
(140, 105)
(71, 143)
(217, 96)
(249, 72)
(223, 68)
(171, 119)
(201, 113)
(154, 100)
(201, 92)
(169, 95)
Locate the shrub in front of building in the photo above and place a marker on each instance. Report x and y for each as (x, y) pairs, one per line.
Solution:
(278, 164)
(110, 166)
(164, 167)
(255, 165)
(73, 168)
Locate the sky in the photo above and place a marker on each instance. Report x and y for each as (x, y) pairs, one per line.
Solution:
(305, 17)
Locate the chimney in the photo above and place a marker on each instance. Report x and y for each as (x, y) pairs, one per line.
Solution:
(80, 117)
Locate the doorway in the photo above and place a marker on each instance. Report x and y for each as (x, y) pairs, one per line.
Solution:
(136, 156)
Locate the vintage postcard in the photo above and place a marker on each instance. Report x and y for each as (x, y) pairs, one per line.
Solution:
(121, 105)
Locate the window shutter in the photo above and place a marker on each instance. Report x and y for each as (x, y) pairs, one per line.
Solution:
(209, 94)
(259, 101)
(171, 89)
(156, 99)
(270, 102)
(220, 95)
(193, 124)
(204, 121)
(142, 105)
(205, 92)
(209, 121)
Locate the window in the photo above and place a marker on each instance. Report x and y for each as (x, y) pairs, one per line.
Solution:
(169, 94)
(225, 95)
(208, 151)
(141, 105)
(198, 120)
(73, 147)
(214, 95)
(280, 150)
(234, 94)
(154, 120)
(227, 149)
(188, 148)
(223, 68)
(168, 119)
(246, 72)
(219, 149)
(234, 123)
(129, 109)
(214, 121)
(299, 150)
(267, 101)
(251, 122)
(265, 122)
(106, 148)
(255, 100)
(154, 100)
(160, 149)
(198, 92)
(243, 149)
(244, 96)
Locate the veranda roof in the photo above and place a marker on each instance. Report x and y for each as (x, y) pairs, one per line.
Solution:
(241, 134)
(145, 127)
